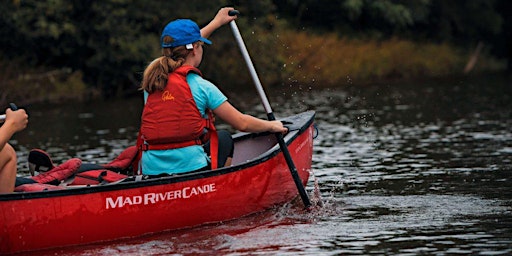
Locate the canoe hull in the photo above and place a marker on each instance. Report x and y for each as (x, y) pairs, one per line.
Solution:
(121, 211)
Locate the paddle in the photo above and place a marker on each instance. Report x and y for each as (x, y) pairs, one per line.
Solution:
(268, 109)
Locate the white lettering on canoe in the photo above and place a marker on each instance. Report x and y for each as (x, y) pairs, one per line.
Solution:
(299, 148)
(153, 198)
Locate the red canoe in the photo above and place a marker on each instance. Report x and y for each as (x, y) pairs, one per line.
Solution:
(258, 180)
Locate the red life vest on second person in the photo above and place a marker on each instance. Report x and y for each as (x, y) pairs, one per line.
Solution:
(171, 119)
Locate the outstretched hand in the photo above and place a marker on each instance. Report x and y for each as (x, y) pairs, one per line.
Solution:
(277, 127)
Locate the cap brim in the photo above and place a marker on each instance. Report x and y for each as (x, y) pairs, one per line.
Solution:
(206, 41)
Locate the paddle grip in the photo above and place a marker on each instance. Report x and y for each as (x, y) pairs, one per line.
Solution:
(233, 13)
(13, 106)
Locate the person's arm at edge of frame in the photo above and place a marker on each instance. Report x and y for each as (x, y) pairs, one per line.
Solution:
(14, 122)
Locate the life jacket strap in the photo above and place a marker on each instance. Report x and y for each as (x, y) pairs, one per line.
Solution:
(214, 149)
(174, 145)
(214, 140)
(136, 163)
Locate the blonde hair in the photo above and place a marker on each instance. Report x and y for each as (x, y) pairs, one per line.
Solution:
(156, 73)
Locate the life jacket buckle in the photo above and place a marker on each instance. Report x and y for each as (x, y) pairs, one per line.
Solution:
(144, 147)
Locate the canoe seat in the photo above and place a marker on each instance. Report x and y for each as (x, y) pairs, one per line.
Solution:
(73, 173)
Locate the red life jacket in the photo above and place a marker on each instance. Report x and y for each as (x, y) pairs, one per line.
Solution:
(171, 119)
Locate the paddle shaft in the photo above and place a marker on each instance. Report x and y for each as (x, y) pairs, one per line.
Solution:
(270, 114)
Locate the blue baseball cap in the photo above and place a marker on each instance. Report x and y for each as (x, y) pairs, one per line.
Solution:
(183, 32)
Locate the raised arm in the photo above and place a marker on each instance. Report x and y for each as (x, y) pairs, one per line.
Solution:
(221, 18)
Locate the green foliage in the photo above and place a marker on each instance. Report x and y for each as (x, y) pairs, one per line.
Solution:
(108, 43)
(328, 60)
(458, 21)
(72, 86)
(23, 84)
(396, 14)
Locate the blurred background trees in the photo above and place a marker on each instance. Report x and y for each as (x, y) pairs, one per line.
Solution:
(75, 49)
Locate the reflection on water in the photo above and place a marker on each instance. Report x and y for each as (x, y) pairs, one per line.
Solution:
(416, 168)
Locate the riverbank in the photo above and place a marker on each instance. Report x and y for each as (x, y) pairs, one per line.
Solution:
(321, 61)
(329, 60)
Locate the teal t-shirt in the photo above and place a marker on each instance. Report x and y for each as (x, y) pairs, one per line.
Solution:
(180, 160)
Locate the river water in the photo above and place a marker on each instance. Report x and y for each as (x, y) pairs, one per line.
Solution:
(415, 168)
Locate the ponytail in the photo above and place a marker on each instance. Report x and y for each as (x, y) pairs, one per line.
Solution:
(157, 72)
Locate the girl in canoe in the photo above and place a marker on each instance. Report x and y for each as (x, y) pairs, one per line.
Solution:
(15, 121)
(177, 119)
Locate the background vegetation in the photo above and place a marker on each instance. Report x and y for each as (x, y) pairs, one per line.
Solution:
(75, 49)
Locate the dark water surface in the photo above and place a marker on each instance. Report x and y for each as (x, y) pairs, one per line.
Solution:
(404, 169)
